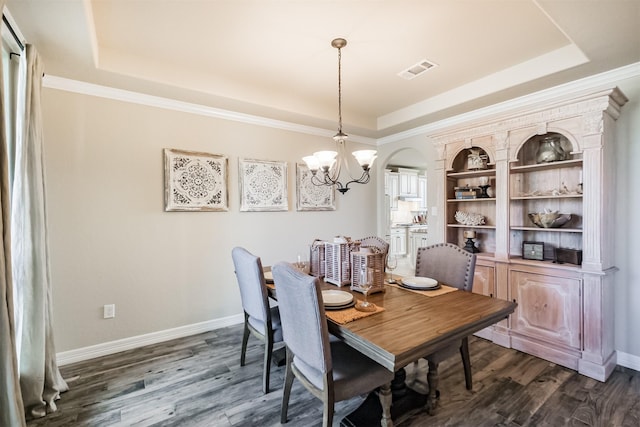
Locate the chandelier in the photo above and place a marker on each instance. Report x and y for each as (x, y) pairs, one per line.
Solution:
(325, 166)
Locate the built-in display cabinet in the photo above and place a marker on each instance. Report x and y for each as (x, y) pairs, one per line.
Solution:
(555, 161)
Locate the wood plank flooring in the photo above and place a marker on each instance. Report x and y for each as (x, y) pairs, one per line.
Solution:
(198, 381)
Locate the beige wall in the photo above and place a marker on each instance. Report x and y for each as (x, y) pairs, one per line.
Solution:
(112, 243)
(627, 220)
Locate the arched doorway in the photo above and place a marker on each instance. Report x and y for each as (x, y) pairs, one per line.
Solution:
(405, 205)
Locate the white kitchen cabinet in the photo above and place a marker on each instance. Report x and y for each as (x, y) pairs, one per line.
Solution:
(408, 182)
(398, 241)
(416, 240)
(391, 188)
(422, 192)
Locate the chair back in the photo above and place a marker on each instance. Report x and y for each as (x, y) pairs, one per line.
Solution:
(448, 264)
(377, 242)
(304, 325)
(253, 291)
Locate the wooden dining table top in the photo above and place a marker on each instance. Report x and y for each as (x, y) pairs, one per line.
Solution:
(412, 326)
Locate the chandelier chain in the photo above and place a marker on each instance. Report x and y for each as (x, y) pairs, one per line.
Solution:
(340, 90)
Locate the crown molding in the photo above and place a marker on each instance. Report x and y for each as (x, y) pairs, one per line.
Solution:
(91, 89)
(596, 82)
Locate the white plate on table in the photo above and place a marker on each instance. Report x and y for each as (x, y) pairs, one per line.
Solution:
(335, 298)
(339, 307)
(420, 283)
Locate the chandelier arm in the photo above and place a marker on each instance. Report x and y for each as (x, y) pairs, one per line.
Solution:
(364, 179)
(326, 180)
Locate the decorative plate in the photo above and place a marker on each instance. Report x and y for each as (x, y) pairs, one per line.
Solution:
(420, 282)
(334, 298)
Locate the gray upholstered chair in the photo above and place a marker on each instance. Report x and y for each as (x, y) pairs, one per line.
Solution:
(453, 266)
(329, 369)
(259, 319)
(376, 242)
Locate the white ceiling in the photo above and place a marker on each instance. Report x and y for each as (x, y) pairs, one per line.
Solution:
(273, 58)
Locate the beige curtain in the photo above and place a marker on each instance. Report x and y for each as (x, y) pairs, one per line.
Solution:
(11, 409)
(40, 379)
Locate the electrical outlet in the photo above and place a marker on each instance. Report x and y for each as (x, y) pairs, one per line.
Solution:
(109, 311)
(434, 211)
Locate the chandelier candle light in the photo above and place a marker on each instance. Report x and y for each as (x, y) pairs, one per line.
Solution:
(326, 161)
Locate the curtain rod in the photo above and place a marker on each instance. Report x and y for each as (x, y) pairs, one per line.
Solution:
(13, 33)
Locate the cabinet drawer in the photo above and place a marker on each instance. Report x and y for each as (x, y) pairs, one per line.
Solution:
(548, 307)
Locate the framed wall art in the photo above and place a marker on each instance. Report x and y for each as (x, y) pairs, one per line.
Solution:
(310, 197)
(195, 181)
(263, 185)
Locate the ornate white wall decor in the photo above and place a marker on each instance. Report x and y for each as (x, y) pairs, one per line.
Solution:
(312, 197)
(195, 181)
(263, 185)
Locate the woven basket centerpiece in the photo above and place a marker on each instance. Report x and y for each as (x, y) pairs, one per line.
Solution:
(316, 257)
(362, 260)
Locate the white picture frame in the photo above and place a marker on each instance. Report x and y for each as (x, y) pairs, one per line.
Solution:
(311, 197)
(263, 185)
(195, 181)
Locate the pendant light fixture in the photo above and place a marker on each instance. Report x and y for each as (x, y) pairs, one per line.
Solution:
(325, 166)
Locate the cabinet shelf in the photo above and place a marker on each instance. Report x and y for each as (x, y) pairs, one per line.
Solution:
(555, 230)
(546, 166)
(562, 196)
(471, 174)
(489, 227)
(547, 263)
(479, 199)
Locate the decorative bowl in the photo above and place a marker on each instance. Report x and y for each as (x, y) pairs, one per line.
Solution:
(469, 218)
(549, 219)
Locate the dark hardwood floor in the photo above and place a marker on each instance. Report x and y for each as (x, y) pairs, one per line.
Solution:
(198, 381)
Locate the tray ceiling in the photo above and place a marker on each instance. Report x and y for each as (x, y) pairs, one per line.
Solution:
(273, 57)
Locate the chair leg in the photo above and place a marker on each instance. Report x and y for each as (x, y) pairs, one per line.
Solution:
(268, 350)
(286, 392)
(245, 339)
(466, 362)
(327, 413)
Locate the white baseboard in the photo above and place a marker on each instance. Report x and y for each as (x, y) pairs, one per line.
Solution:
(629, 361)
(66, 357)
(91, 352)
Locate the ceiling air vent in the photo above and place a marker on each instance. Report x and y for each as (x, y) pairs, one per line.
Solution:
(416, 69)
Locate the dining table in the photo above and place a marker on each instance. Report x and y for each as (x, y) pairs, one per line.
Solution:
(410, 325)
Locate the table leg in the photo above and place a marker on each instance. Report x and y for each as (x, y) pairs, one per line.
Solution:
(432, 380)
(385, 400)
(404, 401)
(279, 356)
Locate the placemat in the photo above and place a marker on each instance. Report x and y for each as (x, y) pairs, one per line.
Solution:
(350, 314)
(444, 289)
